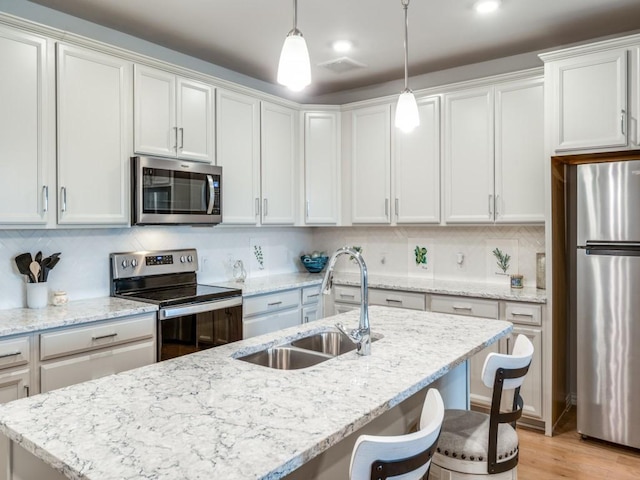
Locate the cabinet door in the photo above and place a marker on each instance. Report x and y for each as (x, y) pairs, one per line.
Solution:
(94, 125)
(371, 164)
(238, 153)
(195, 120)
(64, 372)
(519, 151)
(270, 323)
(417, 167)
(531, 390)
(590, 101)
(479, 393)
(278, 165)
(468, 156)
(155, 131)
(321, 167)
(23, 128)
(311, 313)
(14, 385)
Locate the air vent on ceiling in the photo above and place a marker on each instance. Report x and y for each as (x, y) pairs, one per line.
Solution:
(342, 65)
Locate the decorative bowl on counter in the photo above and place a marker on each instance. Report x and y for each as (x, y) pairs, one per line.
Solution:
(314, 264)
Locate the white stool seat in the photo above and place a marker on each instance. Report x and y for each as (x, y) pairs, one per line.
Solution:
(464, 438)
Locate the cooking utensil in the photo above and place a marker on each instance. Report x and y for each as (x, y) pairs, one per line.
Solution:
(34, 267)
(38, 257)
(54, 259)
(23, 261)
(44, 266)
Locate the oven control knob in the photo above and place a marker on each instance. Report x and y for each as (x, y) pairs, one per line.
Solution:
(125, 263)
(189, 258)
(134, 263)
(183, 259)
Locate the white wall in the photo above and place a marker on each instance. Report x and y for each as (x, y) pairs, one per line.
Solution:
(390, 250)
(83, 271)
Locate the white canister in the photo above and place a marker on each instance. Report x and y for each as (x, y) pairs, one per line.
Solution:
(59, 298)
(37, 295)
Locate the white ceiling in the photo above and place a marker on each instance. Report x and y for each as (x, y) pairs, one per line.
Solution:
(246, 35)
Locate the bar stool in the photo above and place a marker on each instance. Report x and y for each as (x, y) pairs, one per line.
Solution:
(401, 457)
(474, 445)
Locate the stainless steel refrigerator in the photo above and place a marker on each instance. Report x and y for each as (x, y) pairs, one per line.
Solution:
(608, 301)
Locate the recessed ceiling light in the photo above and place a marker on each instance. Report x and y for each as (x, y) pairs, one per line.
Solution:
(342, 46)
(487, 6)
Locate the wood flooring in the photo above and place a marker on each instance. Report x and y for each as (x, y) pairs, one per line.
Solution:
(566, 455)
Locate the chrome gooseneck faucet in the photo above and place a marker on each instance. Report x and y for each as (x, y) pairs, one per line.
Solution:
(361, 336)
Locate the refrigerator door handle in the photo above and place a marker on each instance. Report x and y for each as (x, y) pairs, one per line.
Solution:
(612, 249)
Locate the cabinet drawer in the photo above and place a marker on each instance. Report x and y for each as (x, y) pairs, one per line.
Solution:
(472, 307)
(391, 298)
(271, 302)
(346, 294)
(523, 313)
(100, 335)
(310, 294)
(14, 352)
(81, 368)
(270, 323)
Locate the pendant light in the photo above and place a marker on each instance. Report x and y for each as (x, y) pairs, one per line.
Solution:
(407, 116)
(294, 68)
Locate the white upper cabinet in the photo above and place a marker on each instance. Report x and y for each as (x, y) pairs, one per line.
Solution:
(494, 153)
(278, 164)
(371, 165)
(24, 120)
(589, 100)
(416, 167)
(174, 116)
(238, 153)
(322, 167)
(519, 151)
(94, 136)
(468, 156)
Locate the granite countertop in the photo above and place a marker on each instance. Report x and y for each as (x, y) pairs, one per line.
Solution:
(208, 415)
(446, 287)
(25, 320)
(274, 283)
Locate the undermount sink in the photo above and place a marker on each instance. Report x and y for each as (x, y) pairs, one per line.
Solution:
(285, 358)
(304, 352)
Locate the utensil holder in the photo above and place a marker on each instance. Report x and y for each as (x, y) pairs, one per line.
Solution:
(37, 295)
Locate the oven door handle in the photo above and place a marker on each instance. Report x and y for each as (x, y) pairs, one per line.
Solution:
(180, 311)
(212, 194)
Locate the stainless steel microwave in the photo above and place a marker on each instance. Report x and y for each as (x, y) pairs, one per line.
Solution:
(175, 192)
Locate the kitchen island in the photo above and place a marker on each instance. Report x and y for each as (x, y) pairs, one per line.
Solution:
(209, 415)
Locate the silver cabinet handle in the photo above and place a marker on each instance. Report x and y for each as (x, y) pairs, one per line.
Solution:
(265, 210)
(212, 194)
(273, 304)
(26, 387)
(518, 314)
(313, 295)
(397, 208)
(63, 194)
(101, 337)
(175, 138)
(306, 319)
(490, 205)
(497, 204)
(393, 300)
(12, 354)
(622, 117)
(45, 198)
(181, 137)
(468, 309)
(307, 207)
(346, 295)
(386, 207)
(257, 207)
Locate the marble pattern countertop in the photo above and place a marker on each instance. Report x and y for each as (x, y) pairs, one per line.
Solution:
(25, 320)
(446, 287)
(208, 415)
(274, 283)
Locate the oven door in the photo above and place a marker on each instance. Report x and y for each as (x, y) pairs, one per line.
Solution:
(190, 328)
(175, 192)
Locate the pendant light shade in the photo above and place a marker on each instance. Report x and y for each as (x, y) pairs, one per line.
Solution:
(407, 116)
(294, 68)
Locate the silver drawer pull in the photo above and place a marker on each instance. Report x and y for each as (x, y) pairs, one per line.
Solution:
(462, 308)
(393, 300)
(313, 295)
(274, 304)
(100, 337)
(518, 314)
(12, 354)
(346, 295)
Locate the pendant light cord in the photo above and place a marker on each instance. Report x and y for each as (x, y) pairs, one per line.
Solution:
(295, 16)
(405, 6)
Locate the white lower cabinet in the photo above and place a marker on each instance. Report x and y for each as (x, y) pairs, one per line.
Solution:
(311, 304)
(15, 355)
(347, 298)
(77, 354)
(270, 312)
(527, 320)
(14, 385)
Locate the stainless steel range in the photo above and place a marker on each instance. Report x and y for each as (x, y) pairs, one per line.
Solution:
(191, 317)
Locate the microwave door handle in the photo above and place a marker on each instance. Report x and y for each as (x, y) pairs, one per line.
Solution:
(212, 194)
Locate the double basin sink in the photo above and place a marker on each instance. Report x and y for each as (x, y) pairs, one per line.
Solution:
(304, 352)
